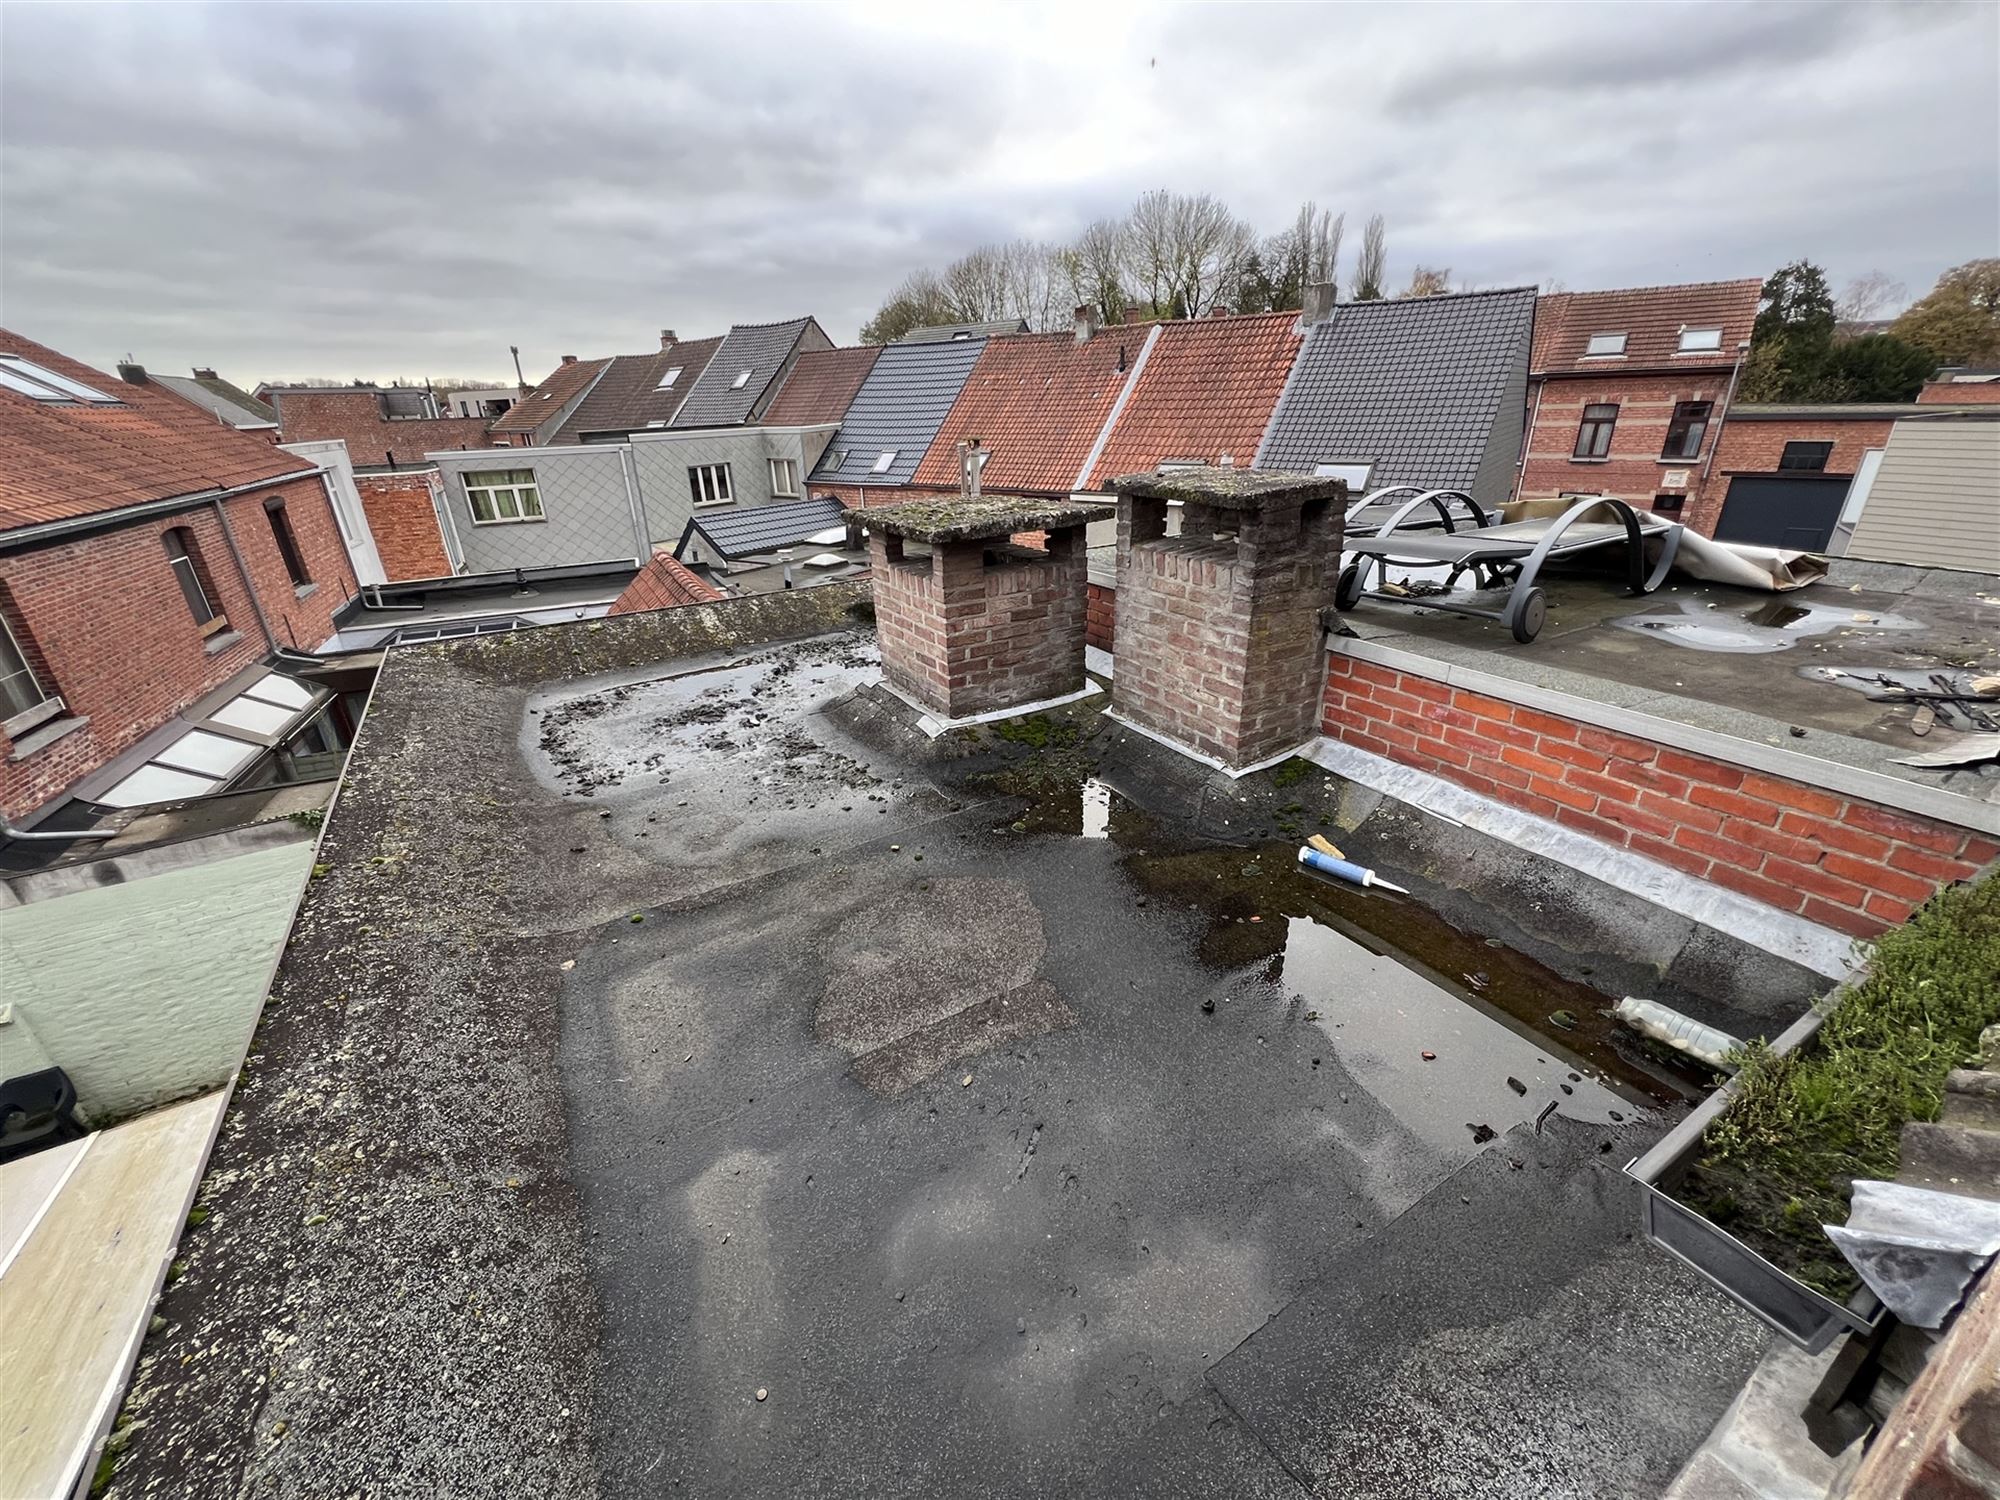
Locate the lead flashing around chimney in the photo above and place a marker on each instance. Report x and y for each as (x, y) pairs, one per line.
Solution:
(932, 724)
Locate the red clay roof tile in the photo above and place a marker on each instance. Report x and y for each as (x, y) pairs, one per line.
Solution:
(664, 584)
(1650, 317)
(821, 386)
(68, 459)
(548, 398)
(1037, 403)
(1207, 390)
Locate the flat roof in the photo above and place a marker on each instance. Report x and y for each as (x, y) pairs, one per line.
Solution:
(684, 1074)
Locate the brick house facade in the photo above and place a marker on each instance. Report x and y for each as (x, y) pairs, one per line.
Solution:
(99, 498)
(1754, 441)
(1628, 390)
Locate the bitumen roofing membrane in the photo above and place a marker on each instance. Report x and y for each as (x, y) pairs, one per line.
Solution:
(687, 1079)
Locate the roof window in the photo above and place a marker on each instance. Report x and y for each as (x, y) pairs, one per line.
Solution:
(1356, 475)
(38, 384)
(667, 380)
(1700, 340)
(1604, 346)
(886, 461)
(740, 381)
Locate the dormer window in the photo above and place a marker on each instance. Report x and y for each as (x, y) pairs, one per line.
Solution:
(1700, 340)
(740, 381)
(1604, 346)
(667, 380)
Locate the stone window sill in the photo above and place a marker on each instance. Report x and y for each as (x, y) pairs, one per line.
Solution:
(305, 591)
(221, 642)
(47, 735)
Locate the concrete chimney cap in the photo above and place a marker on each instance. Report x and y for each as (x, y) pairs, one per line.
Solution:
(569, 359)
(1230, 489)
(668, 338)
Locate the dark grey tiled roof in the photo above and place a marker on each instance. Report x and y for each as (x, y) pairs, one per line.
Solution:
(760, 348)
(898, 409)
(945, 333)
(762, 528)
(1414, 386)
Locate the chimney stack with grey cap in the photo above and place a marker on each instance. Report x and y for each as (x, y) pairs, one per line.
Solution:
(668, 338)
(1087, 322)
(1318, 303)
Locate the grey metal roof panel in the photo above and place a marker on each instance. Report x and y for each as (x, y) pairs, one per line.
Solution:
(898, 409)
(762, 528)
(945, 333)
(760, 348)
(1414, 386)
(236, 407)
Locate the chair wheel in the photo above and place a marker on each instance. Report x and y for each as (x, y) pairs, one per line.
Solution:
(1534, 610)
(1347, 593)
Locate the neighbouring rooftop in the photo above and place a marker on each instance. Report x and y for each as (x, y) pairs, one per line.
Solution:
(681, 1057)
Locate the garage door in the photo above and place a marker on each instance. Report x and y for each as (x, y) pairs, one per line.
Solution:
(1785, 512)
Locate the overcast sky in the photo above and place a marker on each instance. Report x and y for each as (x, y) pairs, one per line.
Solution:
(357, 190)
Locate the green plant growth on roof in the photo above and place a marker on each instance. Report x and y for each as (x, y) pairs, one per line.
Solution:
(1781, 1160)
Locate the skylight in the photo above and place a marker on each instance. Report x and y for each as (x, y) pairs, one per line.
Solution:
(882, 464)
(1356, 475)
(31, 380)
(1699, 340)
(740, 381)
(1602, 345)
(667, 380)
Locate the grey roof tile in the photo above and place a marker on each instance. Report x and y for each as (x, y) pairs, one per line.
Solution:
(761, 349)
(1414, 386)
(945, 333)
(763, 528)
(898, 409)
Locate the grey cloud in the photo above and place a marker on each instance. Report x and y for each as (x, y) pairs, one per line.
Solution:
(289, 190)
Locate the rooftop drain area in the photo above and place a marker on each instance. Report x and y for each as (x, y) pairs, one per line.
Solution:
(682, 1047)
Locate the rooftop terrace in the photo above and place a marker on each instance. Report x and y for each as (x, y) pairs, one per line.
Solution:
(684, 1076)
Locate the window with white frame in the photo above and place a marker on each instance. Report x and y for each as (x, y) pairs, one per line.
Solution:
(667, 380)
(39, 384)
(24, 700)
(1604, 345)
(784, 477)
(886, 461)
(1700, 340)
(1356, 475)
(740, 381)
(501, 496)
(709, 483)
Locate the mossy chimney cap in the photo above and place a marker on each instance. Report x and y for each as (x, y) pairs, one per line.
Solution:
(1230, 489)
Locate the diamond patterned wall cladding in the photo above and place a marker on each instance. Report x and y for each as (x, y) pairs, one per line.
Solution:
(587, 517)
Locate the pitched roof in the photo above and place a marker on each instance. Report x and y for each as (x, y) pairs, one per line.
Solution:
(758, 349)
(1650, 317)
(746, 531)
(945, 333)
(898, 411)
(1204, 391)
(1037, 402)
(628, 397)
(63, 459)
(664, 584)
(1413, 386)
(548, 398)
(821, 386)
(231, 404)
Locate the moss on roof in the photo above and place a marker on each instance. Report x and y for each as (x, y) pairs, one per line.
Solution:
(958, 519)
(1230, 489)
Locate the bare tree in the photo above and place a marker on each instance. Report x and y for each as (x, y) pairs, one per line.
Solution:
(1429, 281)
(1184, 250)
(1373, 260)
(1094, 267)
(1868, 296)
(921, 299)
(1304, 252)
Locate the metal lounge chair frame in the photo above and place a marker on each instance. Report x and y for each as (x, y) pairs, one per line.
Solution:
(1500, 558)
(1437, 500)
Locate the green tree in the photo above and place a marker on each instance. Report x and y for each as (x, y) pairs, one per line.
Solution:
(1791, 343)
(919, 301)
(1958, 321)
(1880, 367)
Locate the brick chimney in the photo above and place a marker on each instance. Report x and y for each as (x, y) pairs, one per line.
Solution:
(1219, 311)
(1136, 315)
(569, 359)
(668, 338)
(206, 374)
(1087, 322)
(1217, 634)
(1317, 305)
(131, 374)
(980, 625)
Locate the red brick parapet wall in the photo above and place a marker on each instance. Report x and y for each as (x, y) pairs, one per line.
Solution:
(1835, 860)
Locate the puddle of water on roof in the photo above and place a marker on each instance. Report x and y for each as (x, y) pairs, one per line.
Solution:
(1777, 624)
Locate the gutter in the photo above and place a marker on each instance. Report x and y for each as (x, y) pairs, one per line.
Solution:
(8, 833)
(22, 538)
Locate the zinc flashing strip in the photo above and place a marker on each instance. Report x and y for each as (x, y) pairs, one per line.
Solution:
(1117, 408)
(1772, 760)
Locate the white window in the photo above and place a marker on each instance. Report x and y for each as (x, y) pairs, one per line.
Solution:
(503, 495)
(1700, 340)
(886, 461)
(1604, 345)
(1176, 465)
(23, 699)
(1356, 475)
(784, 477)
(740, 381)
(30, 379)
(709, 483)
(667, 380)
(836, 460)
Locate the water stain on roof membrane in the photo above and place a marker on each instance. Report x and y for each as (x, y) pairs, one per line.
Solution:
(1775, 625)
